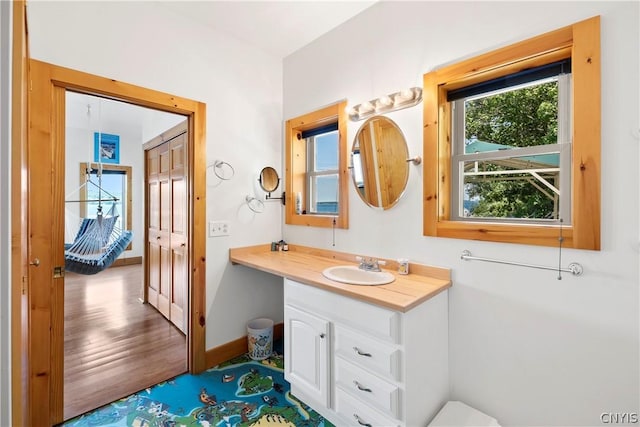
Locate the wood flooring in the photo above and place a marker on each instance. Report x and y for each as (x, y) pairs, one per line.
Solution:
(114, 345)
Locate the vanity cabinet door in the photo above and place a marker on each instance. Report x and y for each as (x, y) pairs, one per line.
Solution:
(307, 353)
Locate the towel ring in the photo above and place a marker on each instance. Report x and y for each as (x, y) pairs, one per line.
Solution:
(219, 168)
(254, 204)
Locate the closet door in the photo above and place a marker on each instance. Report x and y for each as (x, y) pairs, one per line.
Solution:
(167, 259)
(164, 236)
(159, 222)
(153, 225)
(179, 235)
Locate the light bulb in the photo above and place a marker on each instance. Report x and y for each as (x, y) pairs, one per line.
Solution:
(384, 101)
(365, 107)
(407, 94)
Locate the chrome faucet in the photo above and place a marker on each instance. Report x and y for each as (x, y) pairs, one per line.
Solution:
(369, 264)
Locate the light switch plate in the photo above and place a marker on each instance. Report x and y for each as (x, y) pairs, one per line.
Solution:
(219, 228)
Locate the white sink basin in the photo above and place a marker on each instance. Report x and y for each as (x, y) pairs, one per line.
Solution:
(353, 275)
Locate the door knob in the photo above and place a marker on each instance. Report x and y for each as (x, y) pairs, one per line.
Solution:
(35, 262)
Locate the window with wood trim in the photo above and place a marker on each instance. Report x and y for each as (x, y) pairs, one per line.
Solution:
(316, 168)
(512, 142)
(116, 184)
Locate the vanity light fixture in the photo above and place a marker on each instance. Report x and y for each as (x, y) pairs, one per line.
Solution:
(386, 103)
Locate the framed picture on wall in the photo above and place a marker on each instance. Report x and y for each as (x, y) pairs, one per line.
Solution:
(106, 148)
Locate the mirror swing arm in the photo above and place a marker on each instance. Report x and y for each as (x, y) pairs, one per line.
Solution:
(282, 198)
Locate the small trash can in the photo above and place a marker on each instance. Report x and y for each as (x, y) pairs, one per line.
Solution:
(260, 338)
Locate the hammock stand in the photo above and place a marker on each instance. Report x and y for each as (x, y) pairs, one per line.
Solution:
(99, 241)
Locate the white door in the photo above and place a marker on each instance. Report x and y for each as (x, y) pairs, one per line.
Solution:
(307, 353)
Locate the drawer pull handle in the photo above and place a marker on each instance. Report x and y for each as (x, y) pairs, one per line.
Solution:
(359, 420)
(360, 387)
(361, 353)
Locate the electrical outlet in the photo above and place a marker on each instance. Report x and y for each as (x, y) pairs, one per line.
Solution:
(219, 228)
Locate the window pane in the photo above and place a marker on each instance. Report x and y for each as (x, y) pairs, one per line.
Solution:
(326, 151)
(523, 116)
(516, 187)
(114, 184)
(325, 189)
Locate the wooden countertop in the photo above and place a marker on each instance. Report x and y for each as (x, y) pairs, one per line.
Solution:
(305, 264)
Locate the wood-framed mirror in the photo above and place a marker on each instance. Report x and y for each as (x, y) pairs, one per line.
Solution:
(379, 158)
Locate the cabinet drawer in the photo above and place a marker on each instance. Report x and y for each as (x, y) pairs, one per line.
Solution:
(382, 358)
(357, 413)
(379, 393)
(377, 321)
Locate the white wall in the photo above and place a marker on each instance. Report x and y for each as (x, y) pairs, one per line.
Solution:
(79, 149)
(524, 347)
(5, 211)
(145, 44)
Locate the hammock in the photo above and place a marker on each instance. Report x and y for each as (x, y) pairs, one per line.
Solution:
(97, 245)
(99, 242)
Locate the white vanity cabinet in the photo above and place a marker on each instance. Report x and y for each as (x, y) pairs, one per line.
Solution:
(358, 363)
(308, 352)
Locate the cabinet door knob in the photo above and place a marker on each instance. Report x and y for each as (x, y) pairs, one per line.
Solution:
(322, 335)
(361, 353)
(361, 387)
(359, 420)
(35, 262)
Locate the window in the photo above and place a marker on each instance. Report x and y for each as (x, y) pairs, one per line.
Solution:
(323, 174)
(317, 168)
(116, 181)
(512, 147)
(512, 140)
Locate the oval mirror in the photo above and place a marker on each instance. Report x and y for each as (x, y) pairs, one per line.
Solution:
(269, 179)
(379, 158)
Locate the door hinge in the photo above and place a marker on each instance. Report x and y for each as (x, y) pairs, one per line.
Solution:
(25, 280)
(58, 272)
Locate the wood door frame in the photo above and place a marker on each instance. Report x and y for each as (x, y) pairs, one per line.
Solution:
(48, 84)
(20, 410)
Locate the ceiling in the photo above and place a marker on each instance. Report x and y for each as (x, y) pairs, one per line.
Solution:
(109, 116)
(277, 27)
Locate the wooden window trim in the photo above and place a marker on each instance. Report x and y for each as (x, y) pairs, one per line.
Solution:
(296, 166)
(581, 42)
(83, 191)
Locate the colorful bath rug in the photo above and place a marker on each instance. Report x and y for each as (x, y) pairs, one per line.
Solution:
(240, 392)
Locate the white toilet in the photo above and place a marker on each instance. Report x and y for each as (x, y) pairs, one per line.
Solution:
(457, 414)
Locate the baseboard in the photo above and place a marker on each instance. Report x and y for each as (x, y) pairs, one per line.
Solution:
(127, 261)
(235, 348)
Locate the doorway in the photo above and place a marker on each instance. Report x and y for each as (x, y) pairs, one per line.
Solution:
(114, 345)
(46, 150)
